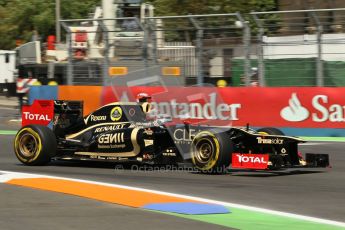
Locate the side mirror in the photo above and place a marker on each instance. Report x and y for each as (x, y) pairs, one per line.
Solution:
(187, 123)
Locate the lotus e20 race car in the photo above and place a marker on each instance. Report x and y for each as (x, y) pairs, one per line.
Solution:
(122, 132)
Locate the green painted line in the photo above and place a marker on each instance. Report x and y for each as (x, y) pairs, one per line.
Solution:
(336, 139)
(8, 132)
(251, 220)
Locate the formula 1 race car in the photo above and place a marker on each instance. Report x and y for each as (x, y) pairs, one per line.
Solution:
(122, 132)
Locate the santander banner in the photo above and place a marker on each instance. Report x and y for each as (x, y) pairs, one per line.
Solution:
(300, 107)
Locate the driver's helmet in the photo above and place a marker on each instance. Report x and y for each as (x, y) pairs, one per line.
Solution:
(143, 97)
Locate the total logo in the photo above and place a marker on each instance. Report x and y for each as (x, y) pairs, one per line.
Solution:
(36, 117)
(321, 110)
(251, 159)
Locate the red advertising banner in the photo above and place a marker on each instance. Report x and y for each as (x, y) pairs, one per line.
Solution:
(309, 107)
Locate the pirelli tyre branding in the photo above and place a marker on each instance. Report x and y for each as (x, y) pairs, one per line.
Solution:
(111, 140)
(270, 141)
(116, 113)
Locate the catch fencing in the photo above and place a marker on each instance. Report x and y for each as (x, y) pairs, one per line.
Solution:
(301, 48)
(278, 48)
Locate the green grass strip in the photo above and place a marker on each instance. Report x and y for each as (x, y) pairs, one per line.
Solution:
(336, 139)
(251, 220)
(8, 132)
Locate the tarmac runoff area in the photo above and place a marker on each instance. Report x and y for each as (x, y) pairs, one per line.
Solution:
(9, 102)
(234, 216)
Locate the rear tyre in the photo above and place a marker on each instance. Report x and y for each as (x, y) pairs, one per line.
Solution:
(271, 131)
(211, 152)
(35, 145)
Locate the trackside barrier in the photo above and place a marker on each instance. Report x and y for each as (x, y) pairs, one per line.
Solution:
(43, 92)
(301, 111)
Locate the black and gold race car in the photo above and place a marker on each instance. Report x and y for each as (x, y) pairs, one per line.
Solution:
(122, 132)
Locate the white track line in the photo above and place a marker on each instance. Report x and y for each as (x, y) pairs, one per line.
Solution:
(8, 175)
(315, 143)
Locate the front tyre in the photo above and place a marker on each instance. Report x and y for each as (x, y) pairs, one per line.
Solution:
(211, 152)
(35, 145)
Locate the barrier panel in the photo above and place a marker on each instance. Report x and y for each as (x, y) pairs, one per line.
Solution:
(298, 110)
(90, 95)
(43, 92)
(305, 107)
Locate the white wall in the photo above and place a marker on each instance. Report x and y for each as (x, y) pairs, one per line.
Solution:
(305, 46)
(217, 65)
(7, 69)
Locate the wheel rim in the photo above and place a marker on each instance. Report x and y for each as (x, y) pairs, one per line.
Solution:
(204, 151)
(28, 145)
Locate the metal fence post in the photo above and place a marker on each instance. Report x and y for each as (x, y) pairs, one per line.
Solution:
(246, 48)
(145, 46)
(200, 76)
(105, 66)
(151, 29)
(199, 50)
(261, 60)
(260, 50)
(70, 54)
(246, 43)
(319, 62)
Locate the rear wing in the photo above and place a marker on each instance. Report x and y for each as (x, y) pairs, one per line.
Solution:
(50, 112)
(41, 112)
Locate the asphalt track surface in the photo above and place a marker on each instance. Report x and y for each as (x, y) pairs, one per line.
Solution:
(312, 192)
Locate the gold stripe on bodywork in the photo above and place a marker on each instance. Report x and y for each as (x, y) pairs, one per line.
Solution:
(133, 153)
(93, 126)
(268, 135)
(117, 103)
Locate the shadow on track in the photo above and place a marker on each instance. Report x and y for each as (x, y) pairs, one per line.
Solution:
(129, 166)
(289, 172)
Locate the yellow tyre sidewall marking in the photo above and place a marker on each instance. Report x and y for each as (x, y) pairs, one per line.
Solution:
(214, 159)
(16, 143)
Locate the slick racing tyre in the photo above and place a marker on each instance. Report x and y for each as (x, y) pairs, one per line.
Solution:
(211, 152)
(270, 131)
(35, 145)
